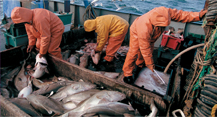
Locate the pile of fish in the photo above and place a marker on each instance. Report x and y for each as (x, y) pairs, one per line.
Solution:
(82, 58)
(47, 95)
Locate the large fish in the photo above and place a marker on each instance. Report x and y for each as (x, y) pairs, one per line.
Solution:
(25, 91)
(52, 87)
(79, 97)
(8, 76)
(45, 105)
(101, 97)
(84, 60)
(112, 75)
(72, 89)
(20, 80)
(40, 67)
(69, 105)
(110, 109)
(24, 105)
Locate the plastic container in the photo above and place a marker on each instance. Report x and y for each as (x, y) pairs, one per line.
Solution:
(170, 41)
(66, 18)
(15, 41)
(199, 38)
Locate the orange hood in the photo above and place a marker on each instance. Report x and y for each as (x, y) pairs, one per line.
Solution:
(160, 17)
(90, 25)
(20, 15)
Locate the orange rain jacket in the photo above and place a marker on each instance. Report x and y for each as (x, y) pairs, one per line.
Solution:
(106, 26)
(147, 28)
(42, 25)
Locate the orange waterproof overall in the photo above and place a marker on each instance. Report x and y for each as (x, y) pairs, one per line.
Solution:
(42, 26)
(146, 29)
(109, 28)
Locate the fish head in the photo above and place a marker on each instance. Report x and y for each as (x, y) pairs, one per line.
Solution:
(40, 70)
(87, 85)
(115, 96)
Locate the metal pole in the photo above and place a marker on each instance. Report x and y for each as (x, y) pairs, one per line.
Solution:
(67, 6)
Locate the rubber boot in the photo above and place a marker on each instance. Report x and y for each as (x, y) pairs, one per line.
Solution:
(129, 79)
(137, 71)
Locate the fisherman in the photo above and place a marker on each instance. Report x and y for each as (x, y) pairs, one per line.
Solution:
(145, 30)
(44, 29)
(111, 29)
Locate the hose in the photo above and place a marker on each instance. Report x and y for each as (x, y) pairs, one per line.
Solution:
(178, 55)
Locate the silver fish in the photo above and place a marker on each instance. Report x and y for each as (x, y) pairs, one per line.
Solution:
(39, 84)
(72, 89)
(45, 105)
(110, 109)
(79, 97)
(20, 80)
(112, 75)
(24, 105)
(52, 87)
(25, 91)
(40, 70)
(69, 105)
(101, 97)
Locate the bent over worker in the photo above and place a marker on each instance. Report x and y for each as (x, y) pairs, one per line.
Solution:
(145, 30)
(44, 29)
(109, 28)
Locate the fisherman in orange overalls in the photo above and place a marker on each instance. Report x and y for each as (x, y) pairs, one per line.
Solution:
(111, 29)
(44, 29)
(145, 30)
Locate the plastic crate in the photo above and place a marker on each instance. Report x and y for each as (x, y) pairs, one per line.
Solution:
(17, 30)
(199, 38)
(167, 53)
(170, 41)
(15, 41)
(66, 18)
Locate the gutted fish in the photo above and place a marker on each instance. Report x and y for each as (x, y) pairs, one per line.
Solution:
(40, 67)
(25, 91)
(73, 88)
(45, 105)
(20, 80)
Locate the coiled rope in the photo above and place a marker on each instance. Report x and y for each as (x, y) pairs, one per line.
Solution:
(90, 13)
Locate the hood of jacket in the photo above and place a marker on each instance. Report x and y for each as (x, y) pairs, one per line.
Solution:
(20, 15)
(90, 25)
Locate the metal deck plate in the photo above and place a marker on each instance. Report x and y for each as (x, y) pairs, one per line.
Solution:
(150, 81)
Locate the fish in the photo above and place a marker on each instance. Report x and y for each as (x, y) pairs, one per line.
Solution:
(40, 67)
(73, 88)
(25, 91)
(84, 60)
(101, 97)
(79, 97)
(40, 70)
(20, 80)
(52, 87)
(5, 93)
(112, 75)
(74, 59)
(45, 105)
(24, 105)
(9, 76)
(66, 54)
(110, 109)
(39, 84)
(69, 105)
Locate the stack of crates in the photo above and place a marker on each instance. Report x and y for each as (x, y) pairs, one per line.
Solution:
(199, 38)
(168, 49)
(16, 36)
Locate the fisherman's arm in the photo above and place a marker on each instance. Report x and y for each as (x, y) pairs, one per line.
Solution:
(45, 37)
(186, 16)
(102, 37)
(146, 46)
(31, 38)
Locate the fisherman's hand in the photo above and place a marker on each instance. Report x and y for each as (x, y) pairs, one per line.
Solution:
(41, 55)
(202, 13)
(29, 48)
(151, 67)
